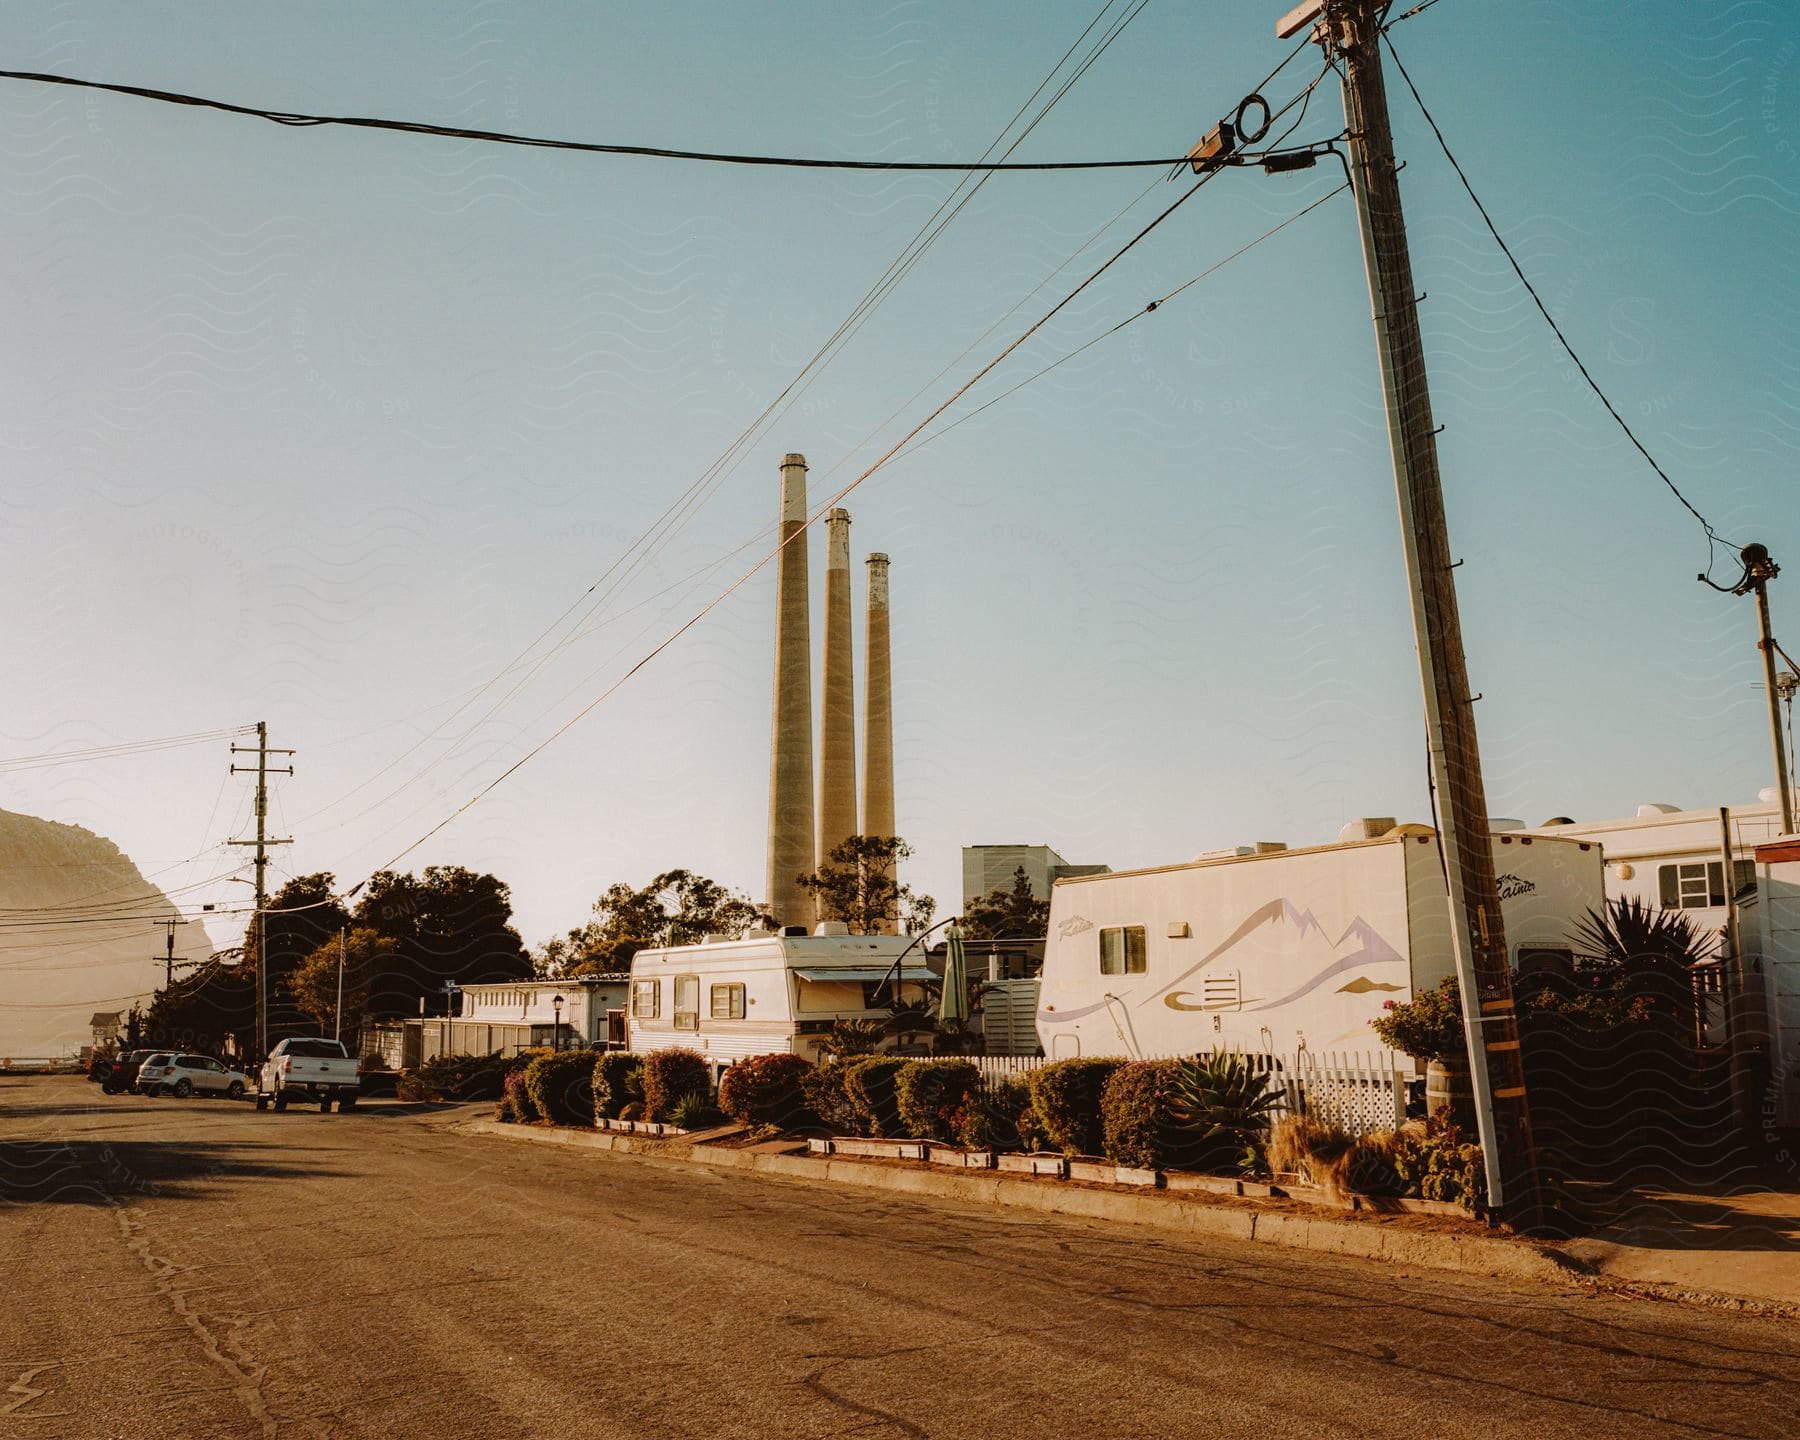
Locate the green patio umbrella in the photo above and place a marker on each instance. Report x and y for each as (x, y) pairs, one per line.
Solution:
(954, 1005)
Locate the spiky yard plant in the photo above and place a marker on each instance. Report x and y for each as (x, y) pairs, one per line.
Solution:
(1225, 1106)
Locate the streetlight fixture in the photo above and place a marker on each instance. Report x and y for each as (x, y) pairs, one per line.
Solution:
(556, 1034)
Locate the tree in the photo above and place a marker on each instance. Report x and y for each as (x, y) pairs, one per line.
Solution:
(1015, 914)
(858, 885)
(200, 1009)
(449, 924)
(678, 907)
(299, 918)
(367, 955)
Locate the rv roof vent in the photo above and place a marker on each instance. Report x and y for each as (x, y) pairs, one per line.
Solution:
(1231, 852)
(1270, 847)
(712, 939)
(1656, 807)
(832, 928)
(1556, 820)
(1370, 827)
(1767, 795)
(1499, 822)
(792, 930)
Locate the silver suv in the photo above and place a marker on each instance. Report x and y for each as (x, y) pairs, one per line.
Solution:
(185, 1075)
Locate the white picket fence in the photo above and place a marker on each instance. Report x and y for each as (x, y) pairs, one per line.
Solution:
(1357, 1091)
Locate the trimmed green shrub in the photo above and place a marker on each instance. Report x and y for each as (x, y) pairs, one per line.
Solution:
(869, 1084)
(1136, 1128)
(933, 1097)
(618, 1080)
(561, 1087)
(766, 1090)
(671, 1074)
(454, 1077)
(1065, 1103)
(828, 1099)
(991, 1118)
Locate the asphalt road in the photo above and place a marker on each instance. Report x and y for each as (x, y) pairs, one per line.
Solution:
(189, 1269)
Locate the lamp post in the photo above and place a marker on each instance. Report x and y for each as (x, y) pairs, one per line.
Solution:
(556, 1034)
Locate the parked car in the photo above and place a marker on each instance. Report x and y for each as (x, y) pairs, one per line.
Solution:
(185, 1075)
(152, 1062)
(306, 1069)
(122, 1075)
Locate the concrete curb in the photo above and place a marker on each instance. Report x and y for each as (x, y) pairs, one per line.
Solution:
(1183, 1213)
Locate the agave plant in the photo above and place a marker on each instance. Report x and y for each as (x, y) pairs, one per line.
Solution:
(1224, 1106)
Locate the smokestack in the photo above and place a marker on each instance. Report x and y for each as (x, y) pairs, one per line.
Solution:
(878, 711)
(837, 698)
(790, 749)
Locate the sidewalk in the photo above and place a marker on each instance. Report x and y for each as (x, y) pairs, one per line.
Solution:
(1695, 1244)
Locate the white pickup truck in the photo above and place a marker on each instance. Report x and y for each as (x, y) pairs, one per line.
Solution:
(306, 1070)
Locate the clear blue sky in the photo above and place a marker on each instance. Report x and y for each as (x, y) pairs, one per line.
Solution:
(322, 426)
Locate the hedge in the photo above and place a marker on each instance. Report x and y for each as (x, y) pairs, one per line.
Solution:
(766, 1090)
(828, 1099)
(453, 1077)
(933, 1097)
(671, 1074)
(869, 1086)
(561, 1087)
(618, 1081)
(515, 1105)
(1065, 1103)
(1135, 1125)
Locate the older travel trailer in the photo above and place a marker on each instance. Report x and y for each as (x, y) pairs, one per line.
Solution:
(1287, 950)
(766, 993)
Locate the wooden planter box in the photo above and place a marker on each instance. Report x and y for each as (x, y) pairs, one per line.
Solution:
(962, 1159)
(1039, 1164)
(876, 1149)
(1222, 1185)
(1099, 1172)
(1130, 1175)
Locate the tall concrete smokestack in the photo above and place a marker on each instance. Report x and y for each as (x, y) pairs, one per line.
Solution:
(790, 749)
(878, 711)
(837, 697)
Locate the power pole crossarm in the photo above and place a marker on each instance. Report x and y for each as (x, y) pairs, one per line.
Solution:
(1350, 32)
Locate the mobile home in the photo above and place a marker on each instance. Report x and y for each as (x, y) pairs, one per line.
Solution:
(1286, 950)
(1769, 923)
(766, 993)
(1674, 859)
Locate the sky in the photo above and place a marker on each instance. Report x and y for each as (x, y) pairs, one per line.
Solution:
(327, 427)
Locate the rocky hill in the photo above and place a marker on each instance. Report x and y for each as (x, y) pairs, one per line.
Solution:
(77, 933)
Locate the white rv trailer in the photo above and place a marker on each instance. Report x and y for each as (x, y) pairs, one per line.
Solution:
(1287, 950)
(765, 993)
(1769, 924)
(1674, 859)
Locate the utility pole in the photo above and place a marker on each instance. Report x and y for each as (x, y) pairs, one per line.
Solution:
(168, 957)
(262, 842)
(1759, 569)
(1349, 31)
(337, 1015)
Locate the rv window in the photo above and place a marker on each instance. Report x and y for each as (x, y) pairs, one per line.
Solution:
(1700, 884)
(646, 999)
(1122, 951)
(687, 1002)
(727, 1002)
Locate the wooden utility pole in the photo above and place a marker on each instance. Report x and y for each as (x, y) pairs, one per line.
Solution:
(1759, 569)
(262, 842)
(1350, 31)
(168, 957)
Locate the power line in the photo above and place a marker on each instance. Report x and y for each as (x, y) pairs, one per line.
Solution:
(823, 509)
(501, 137)
(1713, 538)
(107, 752)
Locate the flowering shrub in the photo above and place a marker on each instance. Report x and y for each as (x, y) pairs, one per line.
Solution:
(765, 1090)
(515, 1105)
(561, 1087)
(1136, 1127)
(1065, 1103)
(618, 1080)
(1441, 1164)
(1427, 1027)
(671, 1074)
(933, 1097)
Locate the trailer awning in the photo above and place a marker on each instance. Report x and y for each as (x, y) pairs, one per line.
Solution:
(850, 975)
